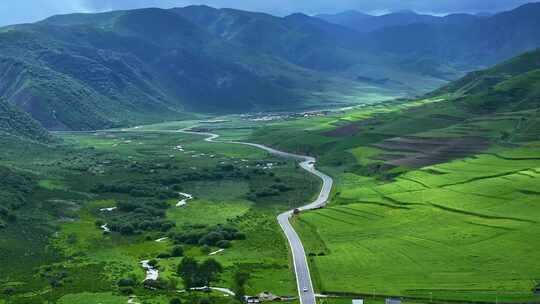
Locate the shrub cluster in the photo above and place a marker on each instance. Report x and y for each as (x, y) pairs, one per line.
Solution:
(136, 189)
(14, 189)
(177, 251)
(274, 190)
(137, 216)
(55, 275)
(195, 274)
(219, 236)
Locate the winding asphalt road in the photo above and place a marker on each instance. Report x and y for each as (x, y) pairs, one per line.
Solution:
(301, 268)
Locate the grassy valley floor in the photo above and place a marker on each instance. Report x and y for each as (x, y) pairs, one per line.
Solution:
(430, 202)
(69, 259)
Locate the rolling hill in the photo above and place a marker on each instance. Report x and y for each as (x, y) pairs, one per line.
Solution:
(432, 196)
(510, 86)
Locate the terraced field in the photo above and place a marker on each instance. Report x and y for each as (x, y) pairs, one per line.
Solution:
(461, 230)
(431, 202)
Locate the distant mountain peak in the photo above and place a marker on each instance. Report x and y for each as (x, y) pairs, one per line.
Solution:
(355, 13)
(298, 16)
(199, 6)
(405, 12)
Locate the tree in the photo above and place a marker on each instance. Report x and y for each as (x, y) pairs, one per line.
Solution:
(9, 291)
(72, 238)
(204, 301)
(126, 290)
(205, 249)
(155, 284)
(505, 135)
(223, 244)
(240, 280)
(187, 270)
(208, 271)
(172, 284)
(127, 229)
(175, 301)
(126, 282)
(177, 251)
(211, 238)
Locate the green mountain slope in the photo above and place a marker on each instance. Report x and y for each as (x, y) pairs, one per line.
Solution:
(18, 123)
(511, 86)
(408, 49)
(298, 38)
(438, 186)
(92, 71)
(63, 81)
(84, 72)
(311, 43)
(150, 64)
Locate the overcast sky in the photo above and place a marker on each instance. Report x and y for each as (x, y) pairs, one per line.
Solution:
(21, 11)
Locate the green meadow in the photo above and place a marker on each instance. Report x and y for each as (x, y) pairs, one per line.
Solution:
(71, 247)
(453, 235)
(461, 229)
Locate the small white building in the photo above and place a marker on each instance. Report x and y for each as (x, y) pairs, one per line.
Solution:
(251, 300)
(393, 301)
(358, 301)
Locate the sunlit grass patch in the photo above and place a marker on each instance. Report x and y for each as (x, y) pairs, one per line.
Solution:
(93, 298)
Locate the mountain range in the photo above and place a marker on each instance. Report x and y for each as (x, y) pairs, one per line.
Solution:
(367, 23)
(90, 71)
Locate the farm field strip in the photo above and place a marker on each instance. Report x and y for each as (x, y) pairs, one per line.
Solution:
(421, 232)
(449, 221)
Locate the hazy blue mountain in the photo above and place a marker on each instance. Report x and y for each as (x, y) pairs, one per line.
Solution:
(319, 45)
(482, 42)
(458, 19)
(351, 19)
(298, 38)
(366, 23)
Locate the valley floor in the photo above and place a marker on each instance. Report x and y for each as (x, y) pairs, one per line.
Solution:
(226, 181)
(428, 207)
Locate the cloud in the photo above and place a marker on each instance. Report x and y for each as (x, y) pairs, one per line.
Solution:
(23, 11)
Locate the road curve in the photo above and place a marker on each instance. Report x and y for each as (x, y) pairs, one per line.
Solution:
(301, 268)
